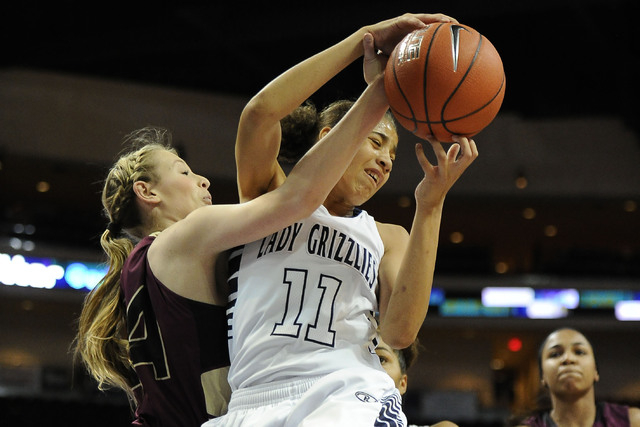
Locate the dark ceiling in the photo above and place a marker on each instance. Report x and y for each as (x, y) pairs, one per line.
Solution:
(565, 58)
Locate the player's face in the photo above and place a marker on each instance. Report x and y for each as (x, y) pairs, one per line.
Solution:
(568, 363)
(371, 166)
(391, 364)
(180, 190)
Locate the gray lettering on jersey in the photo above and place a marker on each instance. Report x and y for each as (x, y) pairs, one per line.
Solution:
(347, 251)
(281, 240)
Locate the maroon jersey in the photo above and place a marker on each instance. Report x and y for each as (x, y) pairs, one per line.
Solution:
(607, 415)
(178, 348)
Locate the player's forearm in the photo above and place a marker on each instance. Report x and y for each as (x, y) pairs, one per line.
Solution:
(290, 89)
(259, 133)
(409, 301)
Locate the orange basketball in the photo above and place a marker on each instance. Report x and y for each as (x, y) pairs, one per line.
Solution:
(444, 80)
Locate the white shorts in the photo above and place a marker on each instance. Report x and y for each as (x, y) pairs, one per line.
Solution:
(350, 397)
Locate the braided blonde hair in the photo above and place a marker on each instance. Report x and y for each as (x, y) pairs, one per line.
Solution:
(101, 343)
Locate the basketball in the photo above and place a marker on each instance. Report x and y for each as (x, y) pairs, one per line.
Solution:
(443, 80)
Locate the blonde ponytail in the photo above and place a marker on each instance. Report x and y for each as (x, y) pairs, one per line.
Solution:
(101, 344)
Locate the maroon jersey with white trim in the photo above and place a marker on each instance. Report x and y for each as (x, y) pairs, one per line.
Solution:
(607, 415)
(178, 347)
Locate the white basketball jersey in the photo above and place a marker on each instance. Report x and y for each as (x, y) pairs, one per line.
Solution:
(303, 299)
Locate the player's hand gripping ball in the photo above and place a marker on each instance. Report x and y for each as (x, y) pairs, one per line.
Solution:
(444, 79)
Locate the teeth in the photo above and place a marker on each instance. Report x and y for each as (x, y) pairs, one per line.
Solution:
(375, 178)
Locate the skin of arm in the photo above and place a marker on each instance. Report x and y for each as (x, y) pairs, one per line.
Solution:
(183, 256)
(408, 265)
(258, 138)
(257, 149)
(634, 417)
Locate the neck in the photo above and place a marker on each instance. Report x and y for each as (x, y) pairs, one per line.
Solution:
(340, 210)
(580, 412)
(339, 207)
(157, 223)
(151, 230)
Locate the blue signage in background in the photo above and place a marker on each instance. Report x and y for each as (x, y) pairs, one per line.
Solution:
(518, 302)
(48, 273)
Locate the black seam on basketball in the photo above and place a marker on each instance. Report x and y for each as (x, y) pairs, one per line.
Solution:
(482, 107)
(444, 122)
(424, 81)
(440, 122)
(464, 77)
(413, 117)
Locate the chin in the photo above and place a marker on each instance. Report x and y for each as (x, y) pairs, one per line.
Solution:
(371, 194)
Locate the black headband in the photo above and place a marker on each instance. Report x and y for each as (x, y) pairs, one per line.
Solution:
(114, 228)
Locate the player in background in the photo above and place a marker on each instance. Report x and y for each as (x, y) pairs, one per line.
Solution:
(568, 376)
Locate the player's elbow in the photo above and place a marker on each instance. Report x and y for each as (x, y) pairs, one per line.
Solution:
(403, 341)
(259, 109)
(297, 201)
(398, 338)
(308, 201)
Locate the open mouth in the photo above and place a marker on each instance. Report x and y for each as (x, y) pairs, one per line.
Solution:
(374, 176)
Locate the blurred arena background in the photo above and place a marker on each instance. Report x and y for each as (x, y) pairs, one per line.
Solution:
(543, 230)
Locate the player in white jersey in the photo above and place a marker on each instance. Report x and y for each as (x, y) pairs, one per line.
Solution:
(314, 261)
(302, 331)
(321, 315)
